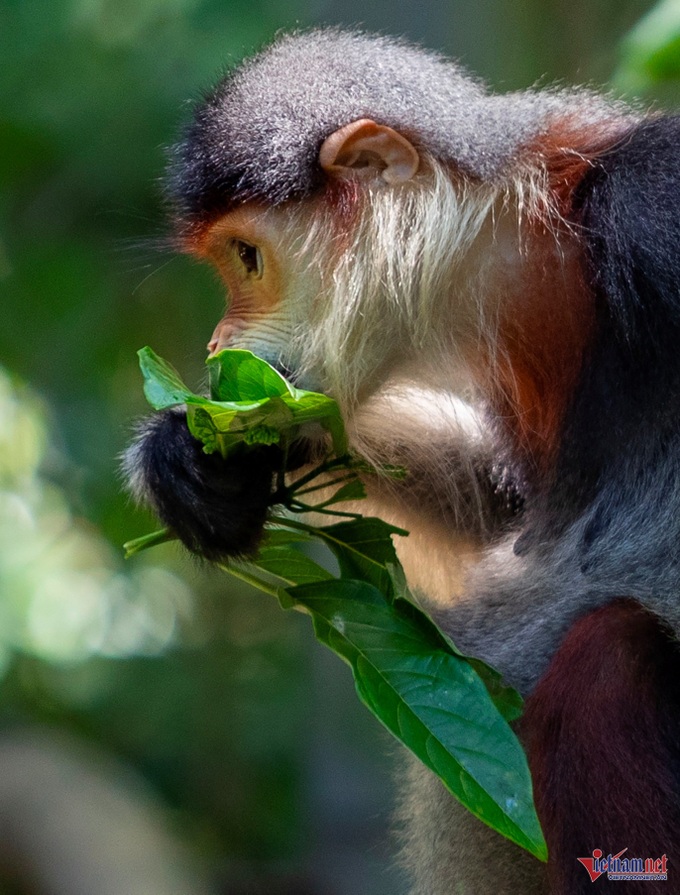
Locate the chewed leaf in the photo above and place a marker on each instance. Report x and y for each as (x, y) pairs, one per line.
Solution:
(315, 407)
(202, 427)
(262, 435)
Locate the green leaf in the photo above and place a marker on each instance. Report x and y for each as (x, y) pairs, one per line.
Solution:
(430, 699)
(364, 549)
(354, 490)
(506, 699)
(238, 375)
(162, 385)
(290, 565)
(277, 537)
(202, 427)
(262, 435)
(451, 712)
(313, 407)
(224, 426)
(251, 402)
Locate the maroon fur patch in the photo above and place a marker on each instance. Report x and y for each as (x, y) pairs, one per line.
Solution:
(543, 335)
(567, 151)
(545, 332)
(344, 196)
(602, 731)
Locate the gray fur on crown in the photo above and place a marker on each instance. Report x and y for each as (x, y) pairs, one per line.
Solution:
(258, 133)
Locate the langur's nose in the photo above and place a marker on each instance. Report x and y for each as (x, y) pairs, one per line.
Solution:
(226, 331)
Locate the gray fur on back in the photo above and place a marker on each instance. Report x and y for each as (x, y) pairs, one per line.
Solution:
(449, 852)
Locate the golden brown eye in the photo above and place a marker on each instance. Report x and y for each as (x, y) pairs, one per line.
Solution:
(250, 257)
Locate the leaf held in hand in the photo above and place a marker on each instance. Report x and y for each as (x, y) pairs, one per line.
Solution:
(250, 402)
(450, 710)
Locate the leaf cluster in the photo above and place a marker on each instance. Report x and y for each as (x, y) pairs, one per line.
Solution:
(451, 711)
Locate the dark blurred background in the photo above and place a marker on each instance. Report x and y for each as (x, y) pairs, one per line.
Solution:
(161, 730)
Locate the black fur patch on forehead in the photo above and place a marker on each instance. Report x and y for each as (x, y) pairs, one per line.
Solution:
(257, 134)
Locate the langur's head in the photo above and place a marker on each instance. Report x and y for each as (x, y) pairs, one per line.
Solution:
(339, 182)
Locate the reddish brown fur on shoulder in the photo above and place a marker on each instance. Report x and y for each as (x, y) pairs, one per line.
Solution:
(602, 731)
(544, 331)
(568, 150)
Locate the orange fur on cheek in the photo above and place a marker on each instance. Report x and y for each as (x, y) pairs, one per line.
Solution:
(249, 297)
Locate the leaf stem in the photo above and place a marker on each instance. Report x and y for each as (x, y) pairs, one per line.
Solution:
(251, 579)
(326, 466)
(347, 478)
(135, 546)
(294, 523)
(298, 507)
(285, 494)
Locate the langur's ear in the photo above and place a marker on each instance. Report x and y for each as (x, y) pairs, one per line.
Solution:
(369, 150)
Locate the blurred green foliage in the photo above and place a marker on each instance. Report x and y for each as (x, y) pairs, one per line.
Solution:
(216, 697)
(207, 693)
(90, 93)
(650, 53)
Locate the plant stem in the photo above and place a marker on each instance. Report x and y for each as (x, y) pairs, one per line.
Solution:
(151, 540)
(326, 466)
(251, 579)
(310, 490)
(299, 507)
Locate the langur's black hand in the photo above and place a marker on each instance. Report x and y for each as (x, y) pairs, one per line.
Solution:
(216, 507)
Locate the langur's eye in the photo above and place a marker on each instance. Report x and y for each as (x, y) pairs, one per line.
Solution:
(250, 257)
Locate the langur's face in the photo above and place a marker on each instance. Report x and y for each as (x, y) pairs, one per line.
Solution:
(270, 287)
(304, 282)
